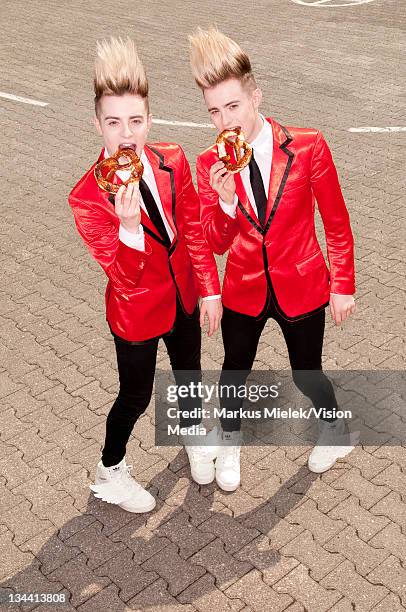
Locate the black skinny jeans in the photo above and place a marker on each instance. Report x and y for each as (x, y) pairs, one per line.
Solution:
(304, 341)
(136, 369)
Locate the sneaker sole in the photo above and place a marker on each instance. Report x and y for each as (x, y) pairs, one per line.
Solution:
(324, 469)
(138, 510)
(227, 487)
(202, 481)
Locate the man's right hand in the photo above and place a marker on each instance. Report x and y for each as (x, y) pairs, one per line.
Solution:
(222, 182)
(127, 207)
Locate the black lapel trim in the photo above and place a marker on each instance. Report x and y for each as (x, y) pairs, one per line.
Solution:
(290, 155)
(148, 231)
(250, 219)
(172, 178)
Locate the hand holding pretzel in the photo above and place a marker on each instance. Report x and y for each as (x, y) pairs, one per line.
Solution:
(127, 207)
(222, 182)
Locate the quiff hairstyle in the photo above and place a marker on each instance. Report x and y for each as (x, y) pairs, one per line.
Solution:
(215, 58)
(118, 70)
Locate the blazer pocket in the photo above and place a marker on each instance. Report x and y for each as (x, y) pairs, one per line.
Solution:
(306, 265)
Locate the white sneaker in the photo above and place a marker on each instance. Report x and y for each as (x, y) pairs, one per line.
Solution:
(115, 485)
(201, 457)
(327, 449)
(228, 461)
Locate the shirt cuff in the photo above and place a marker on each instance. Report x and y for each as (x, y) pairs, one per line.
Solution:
(211, 297)
(134, 241)
(230, 209)
(341, 294)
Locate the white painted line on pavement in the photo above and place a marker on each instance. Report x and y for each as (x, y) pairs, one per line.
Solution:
(182, 123)
(331, 3)
(378, 129)
(8, 96)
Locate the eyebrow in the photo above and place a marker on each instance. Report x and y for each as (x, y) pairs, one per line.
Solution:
(118, 118)
(225, 105)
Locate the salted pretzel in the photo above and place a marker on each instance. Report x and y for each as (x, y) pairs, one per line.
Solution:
(112, 164)
(236, 139)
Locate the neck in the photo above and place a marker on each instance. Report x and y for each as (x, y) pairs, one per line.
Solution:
(257, 128)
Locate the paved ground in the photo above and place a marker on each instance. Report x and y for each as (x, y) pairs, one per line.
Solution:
(287, 540)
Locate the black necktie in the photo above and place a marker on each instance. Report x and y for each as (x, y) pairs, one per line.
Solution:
(258, 189)
(153, 212)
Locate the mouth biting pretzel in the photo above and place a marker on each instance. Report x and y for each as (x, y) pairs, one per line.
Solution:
(105, 170)
(235, 139)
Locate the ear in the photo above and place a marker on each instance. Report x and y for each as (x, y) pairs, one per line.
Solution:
(149, 121)
(97, 125)
(257, 97)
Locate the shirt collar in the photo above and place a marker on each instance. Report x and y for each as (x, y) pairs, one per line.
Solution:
(263, 142)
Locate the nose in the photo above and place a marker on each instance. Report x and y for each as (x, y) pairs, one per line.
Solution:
(127, 133)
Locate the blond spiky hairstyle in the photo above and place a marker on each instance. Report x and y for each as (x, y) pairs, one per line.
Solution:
(118, 70)
(214, 58)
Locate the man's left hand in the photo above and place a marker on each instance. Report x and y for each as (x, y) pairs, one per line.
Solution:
(214, 311)
(341, 307)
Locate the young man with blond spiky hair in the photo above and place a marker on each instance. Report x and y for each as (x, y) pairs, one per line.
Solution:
(264, 217)
(149, 241)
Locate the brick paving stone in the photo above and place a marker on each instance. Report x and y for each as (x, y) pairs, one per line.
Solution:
(16, 471)
(79, 579)
(23, 522)
(391, 507)
(10, 425)
(324, 495)
(39, 492)
(126, 574)
(264, 557)
(223, 566)
(50, 550)
(71, 378)
(204, 595)
(359, 590)
(157, 597)
(230, 531)
(305, 549)
(391, 539)
(45, 420)
(107, 599)
(13, 560)
(368, 464)
(31, 444)
(143, 542)
(8, 499)
(189, 538)
(364, 556)
(366, 522)
(393, 477)
(310, 593)
(320, 525)
(257, 594)
(96, 546)
(178, 573)
(189, 498)
(94, 394)
(392, 574)
(390, 602)
(66, 518)
(368, 493)
(55, 466)
(59, 399)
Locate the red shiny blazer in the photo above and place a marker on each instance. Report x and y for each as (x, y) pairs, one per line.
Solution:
(142, 287)
(285, 255)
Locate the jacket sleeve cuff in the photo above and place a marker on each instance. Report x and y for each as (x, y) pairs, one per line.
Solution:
(230, 209)
(134, 241)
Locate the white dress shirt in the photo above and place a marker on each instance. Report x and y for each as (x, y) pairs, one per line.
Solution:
(137, 241)
(262, 147)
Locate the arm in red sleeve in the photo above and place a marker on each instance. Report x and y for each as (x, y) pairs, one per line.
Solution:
(336, 221)
(219, 228)
(201, 255)
(122, 264)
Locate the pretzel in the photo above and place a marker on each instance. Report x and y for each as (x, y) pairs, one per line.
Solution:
(237, 143)
(112, 164)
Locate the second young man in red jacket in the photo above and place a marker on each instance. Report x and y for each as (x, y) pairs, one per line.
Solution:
(264, 218)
